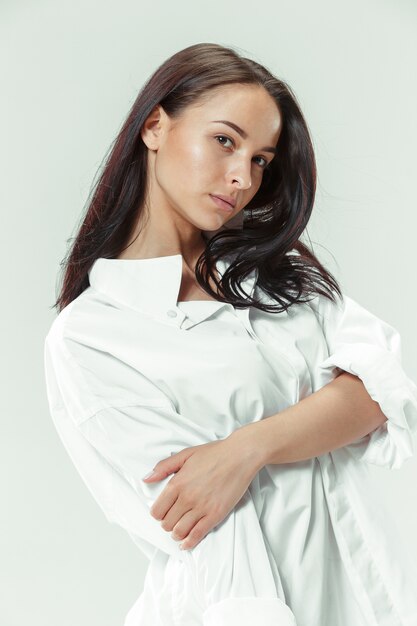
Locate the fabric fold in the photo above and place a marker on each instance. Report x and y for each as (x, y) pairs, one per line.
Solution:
(370, 348)
(249, 611)
(232, 560)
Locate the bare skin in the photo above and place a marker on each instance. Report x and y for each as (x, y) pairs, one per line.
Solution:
(193, 157)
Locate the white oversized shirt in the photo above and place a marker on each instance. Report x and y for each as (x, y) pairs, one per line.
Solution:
(133, 375)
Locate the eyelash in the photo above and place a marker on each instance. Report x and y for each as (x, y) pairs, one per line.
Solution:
(226, 137)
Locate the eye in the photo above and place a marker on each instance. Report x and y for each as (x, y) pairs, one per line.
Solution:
(265, 164)
(224, 137)
(262, 166)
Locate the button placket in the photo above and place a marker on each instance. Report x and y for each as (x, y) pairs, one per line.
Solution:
(243, 315)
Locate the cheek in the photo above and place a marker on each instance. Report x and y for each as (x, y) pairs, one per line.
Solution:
(197, 160)
(186, 169)
(194, 166)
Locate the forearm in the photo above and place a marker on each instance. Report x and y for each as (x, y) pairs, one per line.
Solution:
(334, 416)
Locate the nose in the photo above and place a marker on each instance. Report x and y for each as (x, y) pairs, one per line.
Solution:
(242, 174)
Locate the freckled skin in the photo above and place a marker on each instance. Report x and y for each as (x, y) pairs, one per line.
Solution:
(186, 163)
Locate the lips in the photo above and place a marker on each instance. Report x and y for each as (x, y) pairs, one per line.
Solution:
(229, 199)
(222, 204)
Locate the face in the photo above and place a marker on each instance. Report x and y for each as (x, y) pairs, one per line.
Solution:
(197, 156)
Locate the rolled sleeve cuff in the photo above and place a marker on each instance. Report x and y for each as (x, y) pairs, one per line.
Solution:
(384, 379)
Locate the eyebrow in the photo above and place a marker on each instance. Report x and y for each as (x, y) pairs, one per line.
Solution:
(244, 134)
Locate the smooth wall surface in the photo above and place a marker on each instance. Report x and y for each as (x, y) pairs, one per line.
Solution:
(71, 70)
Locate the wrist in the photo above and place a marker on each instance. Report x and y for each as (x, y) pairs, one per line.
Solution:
(246, 440)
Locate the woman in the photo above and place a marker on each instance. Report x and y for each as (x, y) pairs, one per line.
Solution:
(197, 336)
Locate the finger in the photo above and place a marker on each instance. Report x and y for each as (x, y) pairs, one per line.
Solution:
(153, 475)
(181, 528)
(164, 502)
(165, 467)
(197, 533)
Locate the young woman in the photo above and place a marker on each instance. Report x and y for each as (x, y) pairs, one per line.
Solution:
(197, 336)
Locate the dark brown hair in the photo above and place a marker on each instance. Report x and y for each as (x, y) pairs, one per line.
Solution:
(273, 221)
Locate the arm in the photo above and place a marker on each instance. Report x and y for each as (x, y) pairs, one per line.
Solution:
(113, 443)
(371, 397)
(335, 415)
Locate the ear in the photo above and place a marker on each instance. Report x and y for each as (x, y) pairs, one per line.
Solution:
(153, 126)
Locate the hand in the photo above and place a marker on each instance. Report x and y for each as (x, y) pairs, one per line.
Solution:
(210, 479)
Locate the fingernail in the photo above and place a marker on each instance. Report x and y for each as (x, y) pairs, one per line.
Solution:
(152, 473)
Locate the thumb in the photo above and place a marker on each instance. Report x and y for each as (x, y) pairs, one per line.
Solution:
(164, 468)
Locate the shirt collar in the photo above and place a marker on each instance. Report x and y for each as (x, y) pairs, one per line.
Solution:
(151, 286)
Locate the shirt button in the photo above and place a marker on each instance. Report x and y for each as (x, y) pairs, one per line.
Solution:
(172, 313)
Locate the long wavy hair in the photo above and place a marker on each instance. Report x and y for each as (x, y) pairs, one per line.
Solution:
(268, 240)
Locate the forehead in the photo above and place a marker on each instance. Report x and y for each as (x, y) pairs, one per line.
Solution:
(249, 106)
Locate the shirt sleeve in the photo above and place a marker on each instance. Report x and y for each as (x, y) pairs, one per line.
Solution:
(361, 343)
(115, 438)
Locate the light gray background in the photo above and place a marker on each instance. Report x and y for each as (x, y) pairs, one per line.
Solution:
(72, 71)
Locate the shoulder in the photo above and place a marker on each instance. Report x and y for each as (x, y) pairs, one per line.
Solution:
(81, 321)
